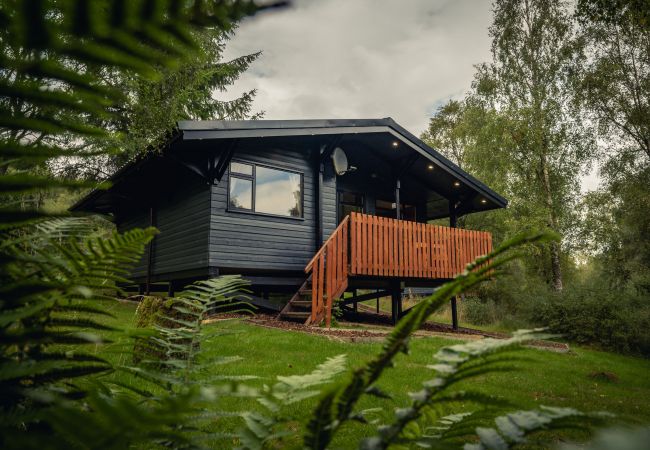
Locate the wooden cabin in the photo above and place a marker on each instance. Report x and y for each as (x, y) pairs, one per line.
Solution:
(315, 208)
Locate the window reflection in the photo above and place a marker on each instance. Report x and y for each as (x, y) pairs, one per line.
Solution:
(241, 193)
(278, 192)
(244, 169)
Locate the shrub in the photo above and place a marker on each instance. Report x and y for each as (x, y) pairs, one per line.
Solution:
(479, 312)
(597, 314)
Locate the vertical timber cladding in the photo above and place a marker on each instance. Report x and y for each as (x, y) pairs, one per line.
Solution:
(249, 241)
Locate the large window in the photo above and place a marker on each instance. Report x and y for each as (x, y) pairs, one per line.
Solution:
(385, 208)
(265, 190)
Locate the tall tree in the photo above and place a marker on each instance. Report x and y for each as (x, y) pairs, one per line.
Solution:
(615, 88)
(152, 107)
(616, 76)
(535, 54)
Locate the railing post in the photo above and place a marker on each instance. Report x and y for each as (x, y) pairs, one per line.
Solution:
(453, 220)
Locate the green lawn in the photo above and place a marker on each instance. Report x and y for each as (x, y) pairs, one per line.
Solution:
(546, 379)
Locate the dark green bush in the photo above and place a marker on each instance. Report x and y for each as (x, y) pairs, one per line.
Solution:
(479, 312)
(597, 314)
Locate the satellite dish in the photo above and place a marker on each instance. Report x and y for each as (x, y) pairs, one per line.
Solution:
(340, 161)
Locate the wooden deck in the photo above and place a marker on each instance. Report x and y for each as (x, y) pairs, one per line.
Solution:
(370, 246)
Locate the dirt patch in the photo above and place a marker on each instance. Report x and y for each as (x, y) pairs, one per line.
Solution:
(604, 376)
(378, 327)
(384, 319)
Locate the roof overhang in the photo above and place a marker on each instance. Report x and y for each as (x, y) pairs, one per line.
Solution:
(238, 129)
(194, 131)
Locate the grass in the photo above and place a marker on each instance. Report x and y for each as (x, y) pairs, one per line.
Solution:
(546, 378)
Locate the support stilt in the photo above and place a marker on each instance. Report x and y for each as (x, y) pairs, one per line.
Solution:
(396, 303)
(454, 314)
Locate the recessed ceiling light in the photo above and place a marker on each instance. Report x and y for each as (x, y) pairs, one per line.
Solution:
(483, 201)
(430, 167)
(395, 144)
(456, 183)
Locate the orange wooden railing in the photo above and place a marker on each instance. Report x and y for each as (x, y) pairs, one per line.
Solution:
(378, 246)
(397, 248)
(329, 269)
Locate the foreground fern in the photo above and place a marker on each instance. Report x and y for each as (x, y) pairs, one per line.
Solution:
(57, 276)
(337, 406)
(49, 102)
(180, 333)
(262, 430)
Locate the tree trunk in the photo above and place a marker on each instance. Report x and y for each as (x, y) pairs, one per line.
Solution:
(556, 269)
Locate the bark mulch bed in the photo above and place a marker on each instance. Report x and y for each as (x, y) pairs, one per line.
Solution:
(380, 328)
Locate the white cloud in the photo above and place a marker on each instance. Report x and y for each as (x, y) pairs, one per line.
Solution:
(363, 58)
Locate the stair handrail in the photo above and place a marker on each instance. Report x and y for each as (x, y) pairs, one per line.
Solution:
(310, 264)
(323, 267)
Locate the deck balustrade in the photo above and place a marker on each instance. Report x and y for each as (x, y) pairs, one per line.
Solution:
(365, 245)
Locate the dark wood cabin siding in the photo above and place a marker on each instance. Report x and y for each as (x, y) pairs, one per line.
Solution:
(135, 219)
(329, 202)
(182, 218)
(247, 241)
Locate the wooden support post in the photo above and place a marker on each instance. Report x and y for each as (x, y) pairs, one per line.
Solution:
(453, 221)
(140, 289)
(377, 292)
(396, 302)
(356, 309)
(170, 290)
(398, 209)
(320, 168)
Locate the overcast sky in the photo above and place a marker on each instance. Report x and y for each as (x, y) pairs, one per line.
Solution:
(364, 58)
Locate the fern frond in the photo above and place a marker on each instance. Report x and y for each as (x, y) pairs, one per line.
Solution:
(513, 428)
(346, 396)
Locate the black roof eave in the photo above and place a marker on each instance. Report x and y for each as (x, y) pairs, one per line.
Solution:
(84, 203)
(276, 128)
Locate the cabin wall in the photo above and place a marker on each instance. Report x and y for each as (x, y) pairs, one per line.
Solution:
(329, 198)
(252, 242)
(183, 217)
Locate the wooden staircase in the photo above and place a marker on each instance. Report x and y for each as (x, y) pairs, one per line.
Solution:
(327, 280)
(298, 309)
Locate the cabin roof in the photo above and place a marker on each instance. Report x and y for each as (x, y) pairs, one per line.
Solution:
(204, 129)
(199, 130)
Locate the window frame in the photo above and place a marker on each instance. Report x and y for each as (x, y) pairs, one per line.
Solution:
(253, 179)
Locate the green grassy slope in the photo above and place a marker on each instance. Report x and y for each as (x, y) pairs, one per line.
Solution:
(547, 378)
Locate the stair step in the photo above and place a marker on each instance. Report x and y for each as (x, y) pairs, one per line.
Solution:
(301, 304)
(305, 291)
(296, 315)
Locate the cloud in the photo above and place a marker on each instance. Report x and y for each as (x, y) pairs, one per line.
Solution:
(363, 58)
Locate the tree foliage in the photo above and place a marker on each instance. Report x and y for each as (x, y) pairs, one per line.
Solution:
(146, 117)
(520, 127)
(615, 80)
